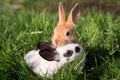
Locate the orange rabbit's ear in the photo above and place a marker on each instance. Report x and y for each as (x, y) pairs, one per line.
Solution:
(74, 14)
(61, 13)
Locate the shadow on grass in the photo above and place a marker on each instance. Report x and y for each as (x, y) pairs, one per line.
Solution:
(96, 58)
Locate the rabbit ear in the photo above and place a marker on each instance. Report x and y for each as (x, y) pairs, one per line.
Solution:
(47, 54)
(47, 51)
(42, 45)
(74, 14)
(61, 13)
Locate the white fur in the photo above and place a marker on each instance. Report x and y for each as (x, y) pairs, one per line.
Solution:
(43, 67)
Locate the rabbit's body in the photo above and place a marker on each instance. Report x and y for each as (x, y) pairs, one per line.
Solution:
(45, 67)
(40, 65)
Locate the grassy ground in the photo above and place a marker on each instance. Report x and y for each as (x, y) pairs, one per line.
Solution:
(98, 32)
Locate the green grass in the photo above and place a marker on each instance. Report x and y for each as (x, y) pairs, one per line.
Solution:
(97, 32)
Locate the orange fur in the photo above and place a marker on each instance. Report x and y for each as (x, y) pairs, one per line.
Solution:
(60, 37)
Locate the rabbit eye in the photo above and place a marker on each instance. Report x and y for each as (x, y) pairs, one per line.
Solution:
(68, 53)
(68, 33)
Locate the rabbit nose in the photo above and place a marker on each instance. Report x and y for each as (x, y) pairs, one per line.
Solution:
(77, 49)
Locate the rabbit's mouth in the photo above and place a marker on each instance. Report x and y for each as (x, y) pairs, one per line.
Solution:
(71, 41)
(65, 42)
(60, 43)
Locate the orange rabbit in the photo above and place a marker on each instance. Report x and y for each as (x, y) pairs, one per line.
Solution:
(64, 32)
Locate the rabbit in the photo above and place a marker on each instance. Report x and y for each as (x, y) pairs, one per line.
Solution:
(47, 60)
(64, 32)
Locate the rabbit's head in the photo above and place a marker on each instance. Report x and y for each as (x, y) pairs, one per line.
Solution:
(64, 32)
(61, 54)
(68, 52)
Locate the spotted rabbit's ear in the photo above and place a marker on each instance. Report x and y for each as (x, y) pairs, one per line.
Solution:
(74, 14)
(48, 54)
(42, 45)
(47, 51)
(61, 13)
